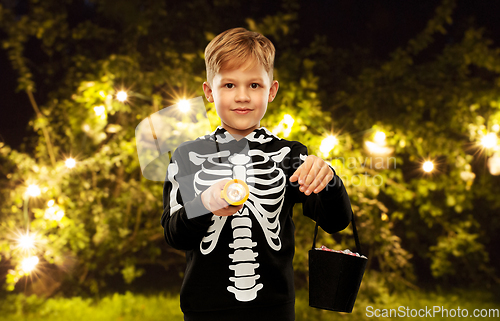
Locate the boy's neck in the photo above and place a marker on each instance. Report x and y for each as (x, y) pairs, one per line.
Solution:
(238, 135)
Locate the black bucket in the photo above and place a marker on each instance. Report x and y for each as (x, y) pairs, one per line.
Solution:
(334, 278)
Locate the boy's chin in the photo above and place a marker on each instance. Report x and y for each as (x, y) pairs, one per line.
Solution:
(241, 130)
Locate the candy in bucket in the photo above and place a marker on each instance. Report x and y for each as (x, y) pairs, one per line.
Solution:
(346, 251)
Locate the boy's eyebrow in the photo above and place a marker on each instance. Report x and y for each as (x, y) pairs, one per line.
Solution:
(258, 79)
(227, 80)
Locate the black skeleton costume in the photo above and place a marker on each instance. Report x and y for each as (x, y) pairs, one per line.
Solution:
(242, 264)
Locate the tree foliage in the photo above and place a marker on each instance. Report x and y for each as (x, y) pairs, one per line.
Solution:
(437, 105)
(429, 106)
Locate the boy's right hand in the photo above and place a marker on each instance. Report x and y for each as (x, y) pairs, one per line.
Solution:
(212, 200)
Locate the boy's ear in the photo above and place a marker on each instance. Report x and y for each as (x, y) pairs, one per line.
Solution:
(208, 92)
(273, 91)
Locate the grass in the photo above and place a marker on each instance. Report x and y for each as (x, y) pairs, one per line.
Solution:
(130, 307)
(119, 307)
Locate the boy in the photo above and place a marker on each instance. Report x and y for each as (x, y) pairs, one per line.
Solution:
(239, 258)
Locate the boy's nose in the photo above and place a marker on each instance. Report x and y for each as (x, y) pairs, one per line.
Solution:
(242, 95)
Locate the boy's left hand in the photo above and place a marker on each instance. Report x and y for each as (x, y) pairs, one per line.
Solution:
(313, 175)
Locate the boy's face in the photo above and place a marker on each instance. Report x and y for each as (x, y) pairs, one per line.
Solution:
(241, 96)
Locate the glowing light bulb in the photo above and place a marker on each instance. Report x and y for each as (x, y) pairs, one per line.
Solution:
(99, 110)
(379, 137)
(489, 141)
(121, 96)
(328, 144)
(288, 120)
(26, 241)
(50, 212)
(59, 215)
(70, 163)
(494, 164)
(376, 149)
(29, 264)
(428, 166)
(51, 203)
(33, 190)
(284, 126)
(184, 106)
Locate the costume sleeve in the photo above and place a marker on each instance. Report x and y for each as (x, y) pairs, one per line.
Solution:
(182, 231)
(331, 206)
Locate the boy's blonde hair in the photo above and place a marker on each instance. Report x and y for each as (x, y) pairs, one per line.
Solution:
(234, 47)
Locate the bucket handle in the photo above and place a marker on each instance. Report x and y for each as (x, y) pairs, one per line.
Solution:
(354, 232)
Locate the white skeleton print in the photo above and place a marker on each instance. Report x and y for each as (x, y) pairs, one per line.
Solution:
(240, 166)
(243, 263)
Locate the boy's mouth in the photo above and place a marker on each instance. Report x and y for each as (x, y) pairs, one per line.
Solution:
(242, 110)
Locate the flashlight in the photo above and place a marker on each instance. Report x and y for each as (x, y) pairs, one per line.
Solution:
(235, 192)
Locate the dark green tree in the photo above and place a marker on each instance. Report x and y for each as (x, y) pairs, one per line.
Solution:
(438, 105)
(101, 217)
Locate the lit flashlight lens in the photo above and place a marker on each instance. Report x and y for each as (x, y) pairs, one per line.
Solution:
(236, 192)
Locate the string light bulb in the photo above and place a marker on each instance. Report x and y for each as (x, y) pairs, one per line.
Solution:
(379, 137)
(99, 110)
(489, 141)
(29, 264)
(33, 190)
(122, 96)
(377, 149)
(26, 242)
(184, 106)
(59, 215)
(284, 126)
(328, 144)
(428, 166)
(379, 145)
(494, 164)
(288, 120)
(70, 163)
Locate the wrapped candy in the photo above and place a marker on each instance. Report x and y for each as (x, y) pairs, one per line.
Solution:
(346, 251)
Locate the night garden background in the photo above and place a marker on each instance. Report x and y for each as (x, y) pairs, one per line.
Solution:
(402, 97)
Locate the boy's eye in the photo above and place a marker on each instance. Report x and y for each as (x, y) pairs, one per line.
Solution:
(254, 85)
(229, 86)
